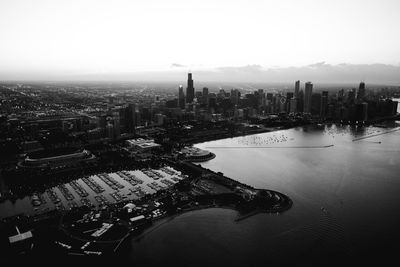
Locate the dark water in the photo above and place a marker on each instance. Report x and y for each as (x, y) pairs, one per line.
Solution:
(346, 203)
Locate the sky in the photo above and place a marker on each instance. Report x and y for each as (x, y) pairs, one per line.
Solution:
(80, 37)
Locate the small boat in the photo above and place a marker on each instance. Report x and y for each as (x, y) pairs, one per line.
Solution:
(35, 200)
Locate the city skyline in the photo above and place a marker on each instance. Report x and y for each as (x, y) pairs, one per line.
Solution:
(200, 132)
(99, 164)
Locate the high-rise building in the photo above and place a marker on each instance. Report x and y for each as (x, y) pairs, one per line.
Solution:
(205, 96)
(361, 112)
(189, 89)
(212, 102)
(289, 96)
(340, 95)
(277, 103)
(293, 105)
(235, 96)
(296, 89)
(261, 98)
(324, 104)
(199, 96)
(307, 97)
(316, 104)
(122, 119)
(132, 114)
(300, 102)
(361, 91)
(181, 98)
(351, 96)
(116, 124)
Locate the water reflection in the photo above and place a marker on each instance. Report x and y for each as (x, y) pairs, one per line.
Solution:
(345, 197)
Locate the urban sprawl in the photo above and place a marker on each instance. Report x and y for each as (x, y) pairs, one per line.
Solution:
(90, 164)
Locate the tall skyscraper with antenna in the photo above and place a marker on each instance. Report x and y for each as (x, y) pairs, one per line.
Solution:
(189, 89)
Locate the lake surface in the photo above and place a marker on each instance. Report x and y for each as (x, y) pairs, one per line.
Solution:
(346, 200)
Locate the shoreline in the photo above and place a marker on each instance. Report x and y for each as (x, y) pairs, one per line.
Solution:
(265, 129)
(204, 140)
(240, 217)
(135, 232)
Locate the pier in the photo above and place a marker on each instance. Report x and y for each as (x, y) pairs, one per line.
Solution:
(373, 135)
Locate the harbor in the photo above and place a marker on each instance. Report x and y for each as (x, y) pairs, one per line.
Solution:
(95, 191)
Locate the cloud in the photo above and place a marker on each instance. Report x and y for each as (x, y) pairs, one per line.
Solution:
(244, 69)
(318, 73)
(177, 65)
(319, 65)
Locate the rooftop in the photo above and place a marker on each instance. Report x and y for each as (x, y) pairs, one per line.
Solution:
(53, 153)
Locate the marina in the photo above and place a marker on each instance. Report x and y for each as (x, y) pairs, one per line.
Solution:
(79, 189)
(96, 191)
(93, 185)
(111, 182)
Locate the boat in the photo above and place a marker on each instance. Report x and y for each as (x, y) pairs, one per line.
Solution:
(35, 200)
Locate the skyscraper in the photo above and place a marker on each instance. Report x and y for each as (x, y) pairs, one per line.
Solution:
(132, 117)
(316, 104)
(116, 124)
(307, 97)
(361, 91)
(351, 96)
(293, 105)
(181, 98)
(340, 95)
(324, 104)
(300, 102)
(296, 89)
(289, 96)
(261, 98)
(205, 96)
(235, 96)
(189, 89)
(361, 112)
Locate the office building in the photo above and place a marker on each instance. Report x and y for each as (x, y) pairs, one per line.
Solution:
(307, 97)
(324, 104)
(189, 89)
(316, 104)
(181, 98)
(296, 89)
(205, 96)
(361, 91)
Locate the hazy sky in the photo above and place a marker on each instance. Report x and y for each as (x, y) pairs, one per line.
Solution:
(99, 36)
